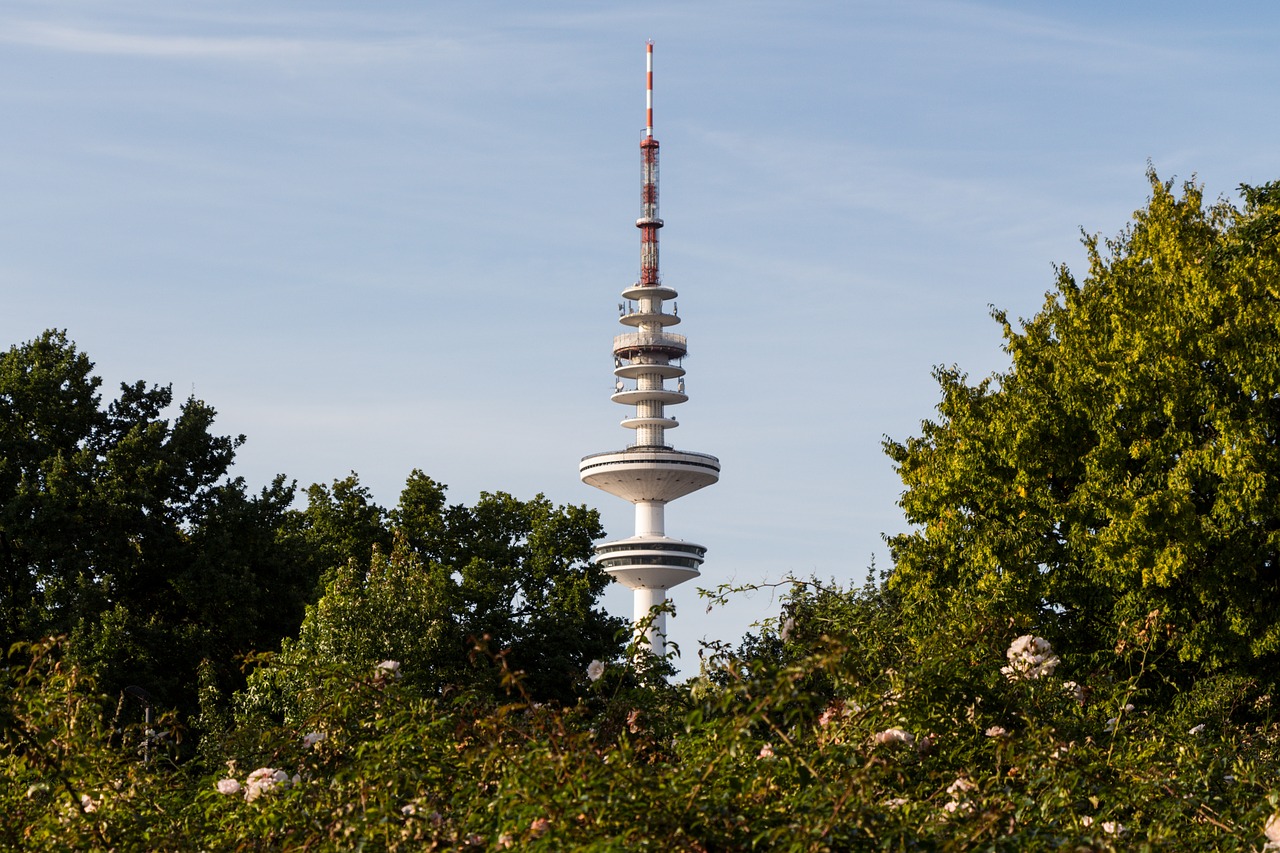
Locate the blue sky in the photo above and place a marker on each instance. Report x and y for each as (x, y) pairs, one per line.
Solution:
(391, 235)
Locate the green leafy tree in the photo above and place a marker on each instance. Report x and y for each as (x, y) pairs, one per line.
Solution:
(1128, 461)
(48, 414)
(120, 527)
(505, 576)
(341, 523)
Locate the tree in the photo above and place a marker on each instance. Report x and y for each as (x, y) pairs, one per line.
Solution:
(48, 417)
(120, 527)
(1128, 461)
(512, 577)
(341, 523)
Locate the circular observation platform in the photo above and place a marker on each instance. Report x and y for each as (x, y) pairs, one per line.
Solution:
(631, 396)
(649, 473)
(637, 344)
(651, 291)
(641, 421)
(637, 369)
(637, 318)
(650, 562)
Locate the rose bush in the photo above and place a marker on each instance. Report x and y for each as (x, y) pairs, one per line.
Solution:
(848, 735)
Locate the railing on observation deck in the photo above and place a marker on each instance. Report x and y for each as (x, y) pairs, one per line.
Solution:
(662, 340)
(664, 449)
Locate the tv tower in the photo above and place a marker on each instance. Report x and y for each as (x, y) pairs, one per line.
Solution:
(649, 473)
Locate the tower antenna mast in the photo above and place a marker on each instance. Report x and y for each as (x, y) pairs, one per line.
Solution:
(649, 473)
(648, 91)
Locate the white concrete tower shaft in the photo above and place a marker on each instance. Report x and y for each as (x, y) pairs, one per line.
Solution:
(649, 473)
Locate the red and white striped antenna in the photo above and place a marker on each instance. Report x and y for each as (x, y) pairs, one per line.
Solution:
(648, 97)
(649, 223)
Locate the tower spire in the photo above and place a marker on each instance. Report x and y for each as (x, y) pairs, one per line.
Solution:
(648, 90)
(649, 473)
(649, 223)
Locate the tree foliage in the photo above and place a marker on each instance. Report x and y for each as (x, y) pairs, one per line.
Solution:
(120, 527)
(506, 575)
(1128, 461)
(807, 747)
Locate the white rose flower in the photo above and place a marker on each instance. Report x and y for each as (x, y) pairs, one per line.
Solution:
(1271, 829)
(894, 736)
(1029, 657)
(262, 780)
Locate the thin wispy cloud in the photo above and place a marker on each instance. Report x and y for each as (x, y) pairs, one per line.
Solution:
(838, 175)
(255, 48)
(1001, 34)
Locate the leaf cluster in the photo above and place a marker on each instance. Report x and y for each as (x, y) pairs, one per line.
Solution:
(508, 574)
(1129, 458)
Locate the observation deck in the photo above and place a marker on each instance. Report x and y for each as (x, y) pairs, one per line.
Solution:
(636, 369)
(635, 344)
(649, 473)
(650, 562)
(631, 396)
(649, 291)
(657, 318)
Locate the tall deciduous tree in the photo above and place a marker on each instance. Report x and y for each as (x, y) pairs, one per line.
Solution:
(340, 524)
(120, 527)
(512, 574)
(1129, 459)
